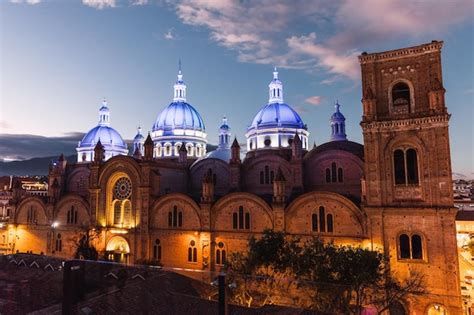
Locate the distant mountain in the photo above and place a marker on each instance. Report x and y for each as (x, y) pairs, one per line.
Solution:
(35, 166)
(39, 166)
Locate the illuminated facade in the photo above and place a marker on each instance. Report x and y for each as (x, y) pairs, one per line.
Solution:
(189, 210)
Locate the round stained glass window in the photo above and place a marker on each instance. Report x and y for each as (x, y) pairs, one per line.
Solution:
(123, 188)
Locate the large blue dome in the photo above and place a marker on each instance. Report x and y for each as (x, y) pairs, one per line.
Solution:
(178, 115)
(277, 115)
(108, 136)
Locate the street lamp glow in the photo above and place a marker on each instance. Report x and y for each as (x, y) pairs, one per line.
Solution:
(55, 224)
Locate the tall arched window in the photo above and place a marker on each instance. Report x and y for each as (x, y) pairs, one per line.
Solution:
(221, 254)
(329, 223)
(321, 221)
(328, 175)
(241, 219)
(59, 243)
(399, 165)
(72, 216)
(416, 247)
(117, 212)
(31, 215)
(175, 217)
(157, 250)
(405, 164)
(404, 246)
(333, 172)
(314, 222)
(192, 252)
(410, 246)
(401, 97)
(340, 176)
(412, 166)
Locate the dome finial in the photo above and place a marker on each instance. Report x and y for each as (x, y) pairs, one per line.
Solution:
(179, 86)
(275, 89)
(104, 114)
(336, 106)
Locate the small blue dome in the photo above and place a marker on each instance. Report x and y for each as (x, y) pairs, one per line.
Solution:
(277, 115)
(108, 137)
(179, 115)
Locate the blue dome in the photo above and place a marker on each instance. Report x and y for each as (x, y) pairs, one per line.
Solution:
(108, 137)
(277, 115)
(179, 115)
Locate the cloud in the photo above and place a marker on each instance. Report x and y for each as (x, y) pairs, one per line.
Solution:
(140, 2)
(22, 147)
(263, 32)
(169, 35)
(100, 4)
(26, 1)
(314, 100)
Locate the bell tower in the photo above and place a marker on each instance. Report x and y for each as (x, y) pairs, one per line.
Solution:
(405, 126)
(407, 191)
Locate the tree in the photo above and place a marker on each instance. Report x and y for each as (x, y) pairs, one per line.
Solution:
(264, 270)
(336, 278)
(85, 248)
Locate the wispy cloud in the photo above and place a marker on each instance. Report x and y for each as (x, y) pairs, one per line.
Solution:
(169, 35)
(100, 4)
(140, 2)
(314, 100)
(26, 1)
(259, 31)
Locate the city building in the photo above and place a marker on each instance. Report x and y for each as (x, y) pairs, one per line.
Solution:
(171, 201)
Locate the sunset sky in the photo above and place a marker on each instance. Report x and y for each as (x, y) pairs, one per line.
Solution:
(59, 59)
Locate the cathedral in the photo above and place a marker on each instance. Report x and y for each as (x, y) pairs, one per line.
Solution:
(167, 199)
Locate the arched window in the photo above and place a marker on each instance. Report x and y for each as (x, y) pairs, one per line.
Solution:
(411, 246)
(234, 220)
(127, 212)
(314, 222)
(267, 175)
(175, 218)
(31, 215)
(192, 252)
(412, 166)
(59, 243)
(404, 246)
(328, 175)
(416, 247)
(322, 219)
(117, 212)
(157, 250)
(329, 222)
(405, 164)
(399, 165)
(401, 96)
(339, 175)
(221, 254)
(262, 180)
(333, 172)
(241, 219)
(72, 216)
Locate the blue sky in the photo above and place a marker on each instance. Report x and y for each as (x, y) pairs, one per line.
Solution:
(59, 59)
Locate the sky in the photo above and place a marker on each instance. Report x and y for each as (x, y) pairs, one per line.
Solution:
(60, 59)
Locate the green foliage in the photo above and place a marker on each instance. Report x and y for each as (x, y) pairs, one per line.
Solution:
(331, 278)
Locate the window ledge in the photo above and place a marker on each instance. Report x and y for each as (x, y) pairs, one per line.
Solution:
(411, 260)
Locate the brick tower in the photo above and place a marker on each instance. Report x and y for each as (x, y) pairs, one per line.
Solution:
(407, 191)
